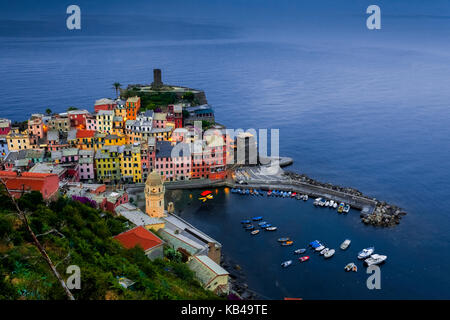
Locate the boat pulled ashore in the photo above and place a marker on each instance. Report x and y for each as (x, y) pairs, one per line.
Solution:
(345, 244)
(375, 259)
(365, 253)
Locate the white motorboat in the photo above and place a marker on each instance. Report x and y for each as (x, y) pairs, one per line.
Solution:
(305, 197)
(320, 248)
(317, 201)
(345, 244)
(364, 253)
(375, 259)
(346, 208)
(329, 253)
(286, 263)
(335, 205)
(331, 203)
(324, 251)
(327, 203)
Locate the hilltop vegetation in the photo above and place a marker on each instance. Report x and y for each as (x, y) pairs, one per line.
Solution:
(76, 234)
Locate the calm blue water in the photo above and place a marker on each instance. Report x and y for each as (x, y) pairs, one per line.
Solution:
(353, 108)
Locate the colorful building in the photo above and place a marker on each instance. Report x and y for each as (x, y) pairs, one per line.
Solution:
(77, 118)
(59, 122)
(107, 164)
(3, 148)
(175, 115)
(159, 120)
(85, 139)
(105, 121)
(141, 237)
(104, 104)
(211, 275)
(86, 165)
(173, 161)
(18, 184)
(130, 163)
(17, 141)
(133, 105)
(148, 152)
(5, 126)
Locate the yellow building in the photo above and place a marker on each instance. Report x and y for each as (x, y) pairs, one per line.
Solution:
(18, 141)
(107, 164)
(105, 121)
(118, 125)
(154, 195)
(130, 163)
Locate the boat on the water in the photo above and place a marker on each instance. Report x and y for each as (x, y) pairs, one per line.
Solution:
(335, 205)
(255, 232)
(327, 203)
(305, 197)
(261, 223)
(250, 227)
(269, 193)
(365, 253)
(257, 218)
(324, 251)
(271, 228)
(346, 208)
(320, 248)
(329, 253)
(375, 259)
(284, 239)
(317, 201)
(303, 259)
(286, 263)
(331, 203)
(345, 244)
(266, 225)
(299, 251)
(341, 207)
(315, 244)
(245, 221)
(351, 267)
(287, 243)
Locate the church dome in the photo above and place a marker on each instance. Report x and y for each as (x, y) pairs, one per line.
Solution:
(154, 179)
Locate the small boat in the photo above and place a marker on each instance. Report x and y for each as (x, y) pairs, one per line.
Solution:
(299, 197)
(299, 251)
(269, 193)
(257, 218)
(335, 205)
(317, 201)
(293, 194)
(320, 248)
(364, 253)
(283, 239)
(303, 259)
(346, 209)
(255, 232)
(245, 221)
(286, 263)
(375, 259)
(287, 243)
(329, 253)
(315, 244)
(331, 203)
(327, 203)
(250, 227)
(305, 197)
(271, 228)
(341, 207)
(261, 223)
(351, 267)
(324, 251)
(247, 225)
(266, 225)
(345, 244)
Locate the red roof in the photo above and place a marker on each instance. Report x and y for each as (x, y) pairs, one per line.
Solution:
(29, 180)
(138, 236)
(85, 133)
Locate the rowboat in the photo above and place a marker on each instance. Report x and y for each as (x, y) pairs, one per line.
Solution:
(257, 218)
(345, 244)
(254, 232)
(329, 253)
(351, 267)
(284, 239)
(271, 228)
(299, 251)
(286, 263)
(287, 243)
(245, 221)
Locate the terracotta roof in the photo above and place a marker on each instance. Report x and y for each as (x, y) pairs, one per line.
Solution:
(138, 236)
(29, 180)
(85, 133)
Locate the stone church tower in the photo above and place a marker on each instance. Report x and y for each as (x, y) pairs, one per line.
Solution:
(154, 195)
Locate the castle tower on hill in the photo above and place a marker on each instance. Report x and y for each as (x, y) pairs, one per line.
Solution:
(154, 195)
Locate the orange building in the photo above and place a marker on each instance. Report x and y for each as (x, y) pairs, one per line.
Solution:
(46, 183)
(133, 105)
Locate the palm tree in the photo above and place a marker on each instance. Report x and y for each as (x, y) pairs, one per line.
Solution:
(117, 86)
(48, 111)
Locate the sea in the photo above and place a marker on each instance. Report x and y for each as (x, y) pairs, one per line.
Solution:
(369, 109)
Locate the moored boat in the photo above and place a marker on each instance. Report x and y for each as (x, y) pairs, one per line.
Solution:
(303, 259)
(365, 253)
(317, 201)
(250, 227)
(245, 221)
(286, 263)
(287, 243)
(269, 193)
(324, 251)
(271, 228)
(351, 267)
(329, 253)
(345, 244)
(262, 222)
(335, 205)
(283, 239)
(346, 209)
(299, 251)
(320, 248)
(375, 259)
(255, 232)
(257, 218)
(341, 207)
(305, 197)
(315, 244)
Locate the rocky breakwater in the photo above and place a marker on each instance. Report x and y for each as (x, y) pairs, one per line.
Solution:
(383, 214)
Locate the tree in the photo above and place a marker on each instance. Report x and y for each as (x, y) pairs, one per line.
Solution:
(72, 108)
(48, 111)
(117, 86)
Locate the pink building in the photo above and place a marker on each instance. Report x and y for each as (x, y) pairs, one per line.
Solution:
(5, 126)
(86, 165)
(36, 126)
(91, 122)
(172, 161)
(159, 120)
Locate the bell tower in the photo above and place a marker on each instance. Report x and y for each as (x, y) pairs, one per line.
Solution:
(154, 195)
